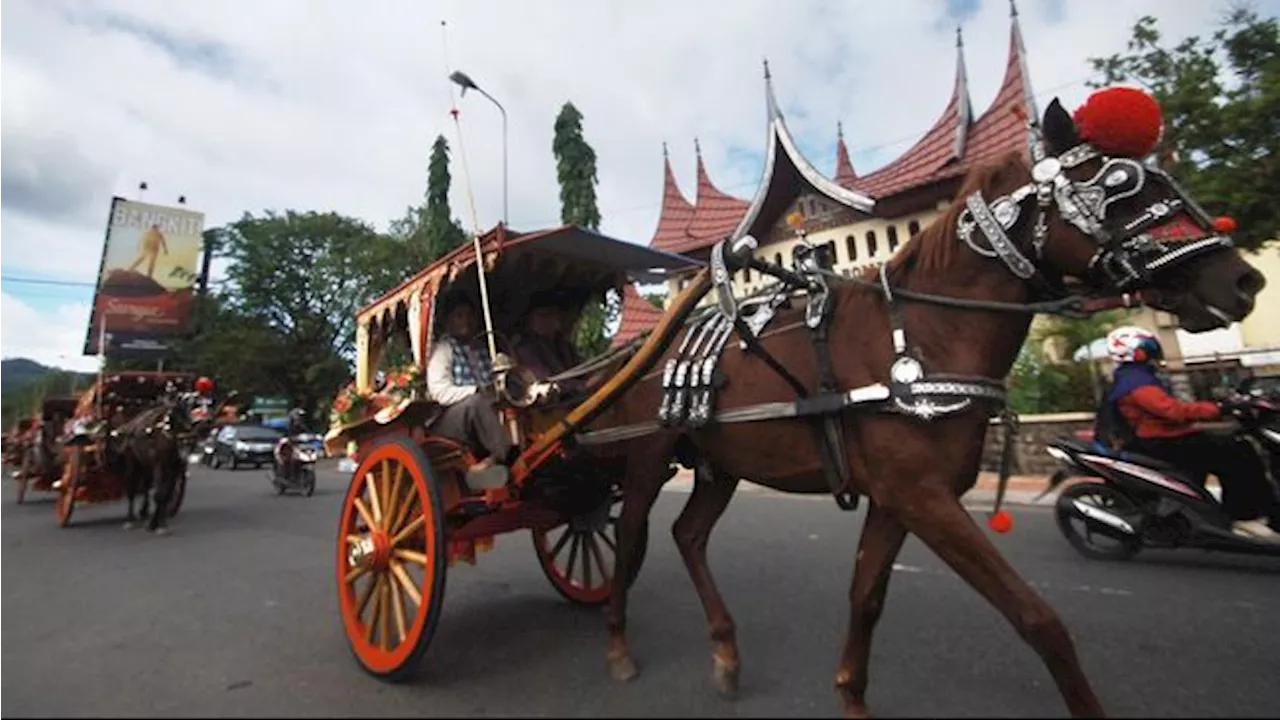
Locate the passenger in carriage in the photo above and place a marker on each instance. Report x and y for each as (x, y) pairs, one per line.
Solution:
(460, 379)
(544, 347)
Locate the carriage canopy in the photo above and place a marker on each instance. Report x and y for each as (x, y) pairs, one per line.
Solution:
(577, 263)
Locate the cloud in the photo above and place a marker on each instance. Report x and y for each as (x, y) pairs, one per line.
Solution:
(244, 105)
(54, 338)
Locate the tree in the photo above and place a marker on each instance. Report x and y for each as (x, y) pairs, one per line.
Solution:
(1221, 102)
(428, 231)
(295, 283)
(576, 172)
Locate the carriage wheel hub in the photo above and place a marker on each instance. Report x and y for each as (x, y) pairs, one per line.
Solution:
(372, 551)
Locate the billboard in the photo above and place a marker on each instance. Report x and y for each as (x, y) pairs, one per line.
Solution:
(147, 280)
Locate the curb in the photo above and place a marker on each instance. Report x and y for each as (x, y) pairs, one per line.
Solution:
(978, 498)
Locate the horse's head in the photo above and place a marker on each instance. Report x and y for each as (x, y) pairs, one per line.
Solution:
(1114, 224)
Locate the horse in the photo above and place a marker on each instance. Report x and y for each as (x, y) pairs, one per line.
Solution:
(150, 451)
(1079, 213)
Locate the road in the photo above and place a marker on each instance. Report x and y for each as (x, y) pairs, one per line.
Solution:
(235, 616)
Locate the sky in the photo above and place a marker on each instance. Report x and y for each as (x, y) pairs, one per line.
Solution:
(250, 106)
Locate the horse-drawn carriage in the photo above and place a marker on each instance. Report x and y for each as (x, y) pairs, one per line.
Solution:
(89, 474)
(37, 447)
(409, 513)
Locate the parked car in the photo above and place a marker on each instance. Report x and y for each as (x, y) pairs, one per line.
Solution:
(237, 445)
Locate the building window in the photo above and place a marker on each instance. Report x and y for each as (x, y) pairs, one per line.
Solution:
(851, 247)
(913, 229)
(871, 243)
(893, 237)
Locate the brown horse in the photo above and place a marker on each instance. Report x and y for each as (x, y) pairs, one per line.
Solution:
(913, 471)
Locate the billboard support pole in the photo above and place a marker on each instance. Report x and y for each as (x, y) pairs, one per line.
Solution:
(102, 357)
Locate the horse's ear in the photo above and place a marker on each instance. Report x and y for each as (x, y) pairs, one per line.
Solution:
(1059, 129)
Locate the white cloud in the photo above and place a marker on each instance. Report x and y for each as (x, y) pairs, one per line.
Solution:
(53, 338)
(321, 104)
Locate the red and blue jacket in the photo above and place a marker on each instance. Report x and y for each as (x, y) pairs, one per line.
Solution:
(1150, 409)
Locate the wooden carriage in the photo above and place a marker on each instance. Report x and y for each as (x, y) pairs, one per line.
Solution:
(409, 514)
(114, 398)
(36, 448)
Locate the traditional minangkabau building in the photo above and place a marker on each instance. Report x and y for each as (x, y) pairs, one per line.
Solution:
(862, 219)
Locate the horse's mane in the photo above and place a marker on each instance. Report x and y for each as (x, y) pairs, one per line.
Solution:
(933, 249)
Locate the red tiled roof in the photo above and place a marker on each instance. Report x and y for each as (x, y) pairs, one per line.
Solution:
(716, 214)
(999, 130)
(676, 213)
(638, 316)
(844, 169)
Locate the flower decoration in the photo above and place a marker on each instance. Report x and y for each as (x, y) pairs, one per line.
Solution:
(1120, 121)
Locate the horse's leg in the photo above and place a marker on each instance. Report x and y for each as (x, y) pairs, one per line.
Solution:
(882, 538)
(935, 515)
(644, 480)
(711, 494)
(162, 487)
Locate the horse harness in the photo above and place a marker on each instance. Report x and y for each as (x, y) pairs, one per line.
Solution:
(1125, 262)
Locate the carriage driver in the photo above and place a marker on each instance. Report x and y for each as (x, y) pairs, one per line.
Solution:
(460, 379)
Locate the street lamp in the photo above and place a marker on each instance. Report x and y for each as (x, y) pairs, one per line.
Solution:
(466, 83)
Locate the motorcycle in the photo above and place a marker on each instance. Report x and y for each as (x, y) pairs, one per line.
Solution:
(1132, 501)
(301, 456)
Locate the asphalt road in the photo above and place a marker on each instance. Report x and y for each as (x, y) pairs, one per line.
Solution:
(235, 615)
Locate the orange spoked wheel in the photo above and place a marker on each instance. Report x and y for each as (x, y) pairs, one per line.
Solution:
(391, 558)
(579, 556)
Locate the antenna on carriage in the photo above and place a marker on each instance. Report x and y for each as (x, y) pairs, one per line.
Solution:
(471, 204)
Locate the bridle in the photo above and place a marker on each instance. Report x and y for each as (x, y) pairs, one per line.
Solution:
(1128, 257)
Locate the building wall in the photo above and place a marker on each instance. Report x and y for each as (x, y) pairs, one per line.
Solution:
(1262, 327)
(857, 245)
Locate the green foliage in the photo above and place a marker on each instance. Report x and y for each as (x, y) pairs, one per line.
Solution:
(575, 170)
(1221, 102)
(24, 401)
(1038, 386)
(427, 232)
(295, 283)
(658, 300)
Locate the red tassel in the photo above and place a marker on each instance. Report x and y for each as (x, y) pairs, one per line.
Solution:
(1224, 224)
(1001, 522)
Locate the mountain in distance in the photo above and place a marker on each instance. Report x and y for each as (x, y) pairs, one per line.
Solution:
(16, 373)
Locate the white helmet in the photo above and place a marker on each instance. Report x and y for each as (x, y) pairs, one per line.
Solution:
(1134, 344)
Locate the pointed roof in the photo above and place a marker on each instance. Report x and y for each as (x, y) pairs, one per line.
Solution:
(844, 169)
(944, 143)
(999, 129)
(787, 172)
(676, 212)
(716, 214)
(638, 316)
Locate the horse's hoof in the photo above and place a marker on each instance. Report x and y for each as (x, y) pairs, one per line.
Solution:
(161, 532)
(856, 711)
(623, 669)
(726, 679)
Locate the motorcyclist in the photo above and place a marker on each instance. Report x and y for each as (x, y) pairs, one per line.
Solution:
(285, 458)
(1161, 426)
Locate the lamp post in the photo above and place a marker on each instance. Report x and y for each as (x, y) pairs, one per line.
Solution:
(466, 83)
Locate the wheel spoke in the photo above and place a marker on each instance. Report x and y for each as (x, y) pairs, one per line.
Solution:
(377, 608)
(608, 541)
(406, 582)
(356, 573)
(586, 560)
(384, 616)
(397, 605)
(573, 555)
(354, 539)
(412, 556)
(564, 538)
(393, 499)
(364, 514)
(371, 484)
(408, 530)
(363, 601)
(403, 511)
(599, 558)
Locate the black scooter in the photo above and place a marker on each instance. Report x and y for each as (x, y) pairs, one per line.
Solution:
(1140, 502)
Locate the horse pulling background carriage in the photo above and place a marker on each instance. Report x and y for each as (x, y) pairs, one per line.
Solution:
(90, 473)
(409, 513)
